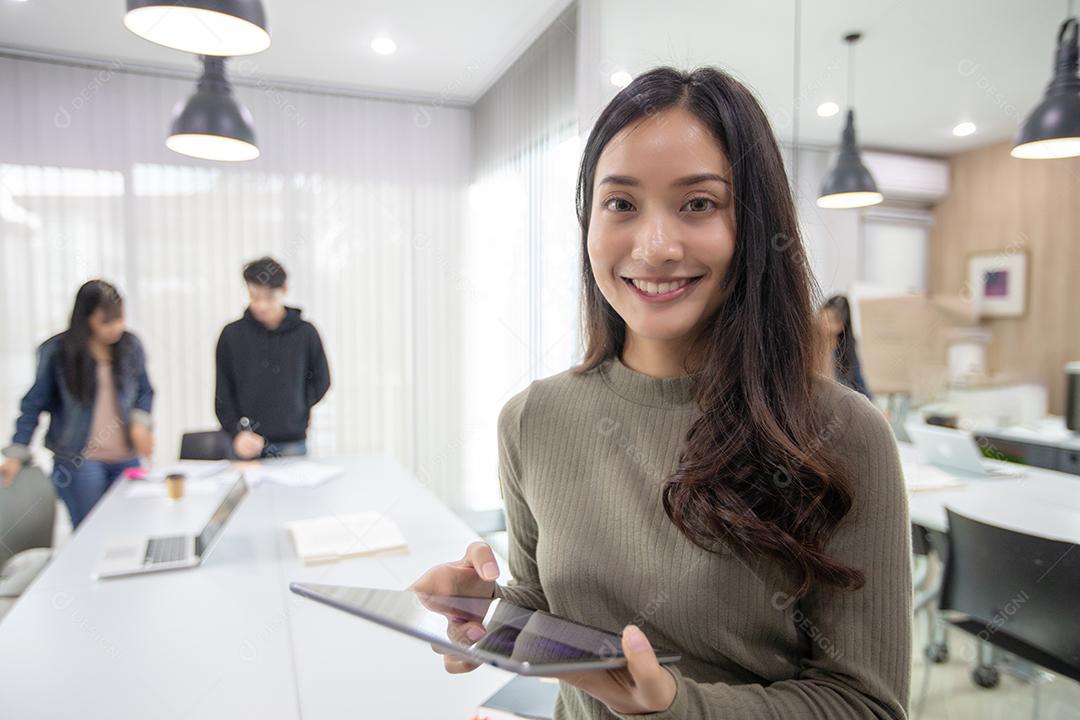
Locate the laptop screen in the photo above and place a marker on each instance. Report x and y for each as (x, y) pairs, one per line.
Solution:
(217, 520)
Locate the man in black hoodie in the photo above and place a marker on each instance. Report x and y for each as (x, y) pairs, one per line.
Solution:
(271, 370)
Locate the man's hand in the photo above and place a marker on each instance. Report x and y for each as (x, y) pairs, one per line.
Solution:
(248, 445)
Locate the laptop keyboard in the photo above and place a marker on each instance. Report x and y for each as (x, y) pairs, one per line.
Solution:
(167, 549)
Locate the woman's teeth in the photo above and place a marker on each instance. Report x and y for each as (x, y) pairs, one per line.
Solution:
(651, 288)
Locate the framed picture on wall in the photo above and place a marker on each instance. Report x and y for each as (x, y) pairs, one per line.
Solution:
(997, 282)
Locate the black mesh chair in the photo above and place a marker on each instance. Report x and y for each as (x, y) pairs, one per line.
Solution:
(1016, 592)
(204, 445)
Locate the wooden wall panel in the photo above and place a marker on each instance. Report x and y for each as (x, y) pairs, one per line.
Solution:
(999, 203)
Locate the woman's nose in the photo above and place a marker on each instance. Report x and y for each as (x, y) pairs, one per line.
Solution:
(654, 244)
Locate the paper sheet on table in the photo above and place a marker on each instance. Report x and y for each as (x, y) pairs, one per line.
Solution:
(201, 486)
(926, 478)
(297, 473)
(333, 537)
(191, 469)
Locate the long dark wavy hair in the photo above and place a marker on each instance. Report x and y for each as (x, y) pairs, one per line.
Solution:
(79, 365)
(755, 474)
(845, 356)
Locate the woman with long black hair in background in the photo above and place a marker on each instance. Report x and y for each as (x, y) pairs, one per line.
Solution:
(92, 381)
(840, 358)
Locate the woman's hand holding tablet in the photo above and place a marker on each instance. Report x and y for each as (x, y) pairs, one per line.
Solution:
(472, 576)
(642, 686)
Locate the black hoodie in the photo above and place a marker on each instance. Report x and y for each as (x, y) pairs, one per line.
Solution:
(272, 377)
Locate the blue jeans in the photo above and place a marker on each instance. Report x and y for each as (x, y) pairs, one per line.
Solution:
(284, 449)
(80, 483)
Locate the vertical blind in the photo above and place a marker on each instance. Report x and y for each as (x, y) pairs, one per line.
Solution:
(520, 311)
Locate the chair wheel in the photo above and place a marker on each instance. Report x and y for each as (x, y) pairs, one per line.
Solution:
(937, 653)
(986, 676)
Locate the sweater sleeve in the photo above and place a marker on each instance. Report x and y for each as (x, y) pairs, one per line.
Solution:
(524, 589)
(858, 664)
(317, 381)
(225, 405)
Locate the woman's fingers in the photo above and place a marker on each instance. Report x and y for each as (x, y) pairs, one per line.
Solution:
(653, 685)
(481, 557)
(454, 664)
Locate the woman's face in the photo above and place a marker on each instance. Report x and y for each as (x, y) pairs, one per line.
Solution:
(106, 329)
(831, 322)
(662, 225)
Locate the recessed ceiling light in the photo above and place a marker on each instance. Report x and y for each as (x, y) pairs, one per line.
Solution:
(383, 46)
(964, 128)
(827, 109)
(621, 78)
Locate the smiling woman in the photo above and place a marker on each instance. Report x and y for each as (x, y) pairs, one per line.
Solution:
(694, 481)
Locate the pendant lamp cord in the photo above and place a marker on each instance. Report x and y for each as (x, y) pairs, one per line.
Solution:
(851, 74)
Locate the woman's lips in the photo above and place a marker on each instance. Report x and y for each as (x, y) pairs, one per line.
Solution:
(663, 291)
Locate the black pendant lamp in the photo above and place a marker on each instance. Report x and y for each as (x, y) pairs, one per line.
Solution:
(1052, 130)
(849, 184)
(202, 27)
(211, 125)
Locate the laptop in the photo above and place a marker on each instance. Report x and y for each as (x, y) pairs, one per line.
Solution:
(954, 450)
(171, 552)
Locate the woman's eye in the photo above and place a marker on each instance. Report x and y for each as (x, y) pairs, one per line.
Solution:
(618, 205)
(700, 204)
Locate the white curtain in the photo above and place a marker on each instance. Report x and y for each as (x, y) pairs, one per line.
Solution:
(362, 200)
(521, 254)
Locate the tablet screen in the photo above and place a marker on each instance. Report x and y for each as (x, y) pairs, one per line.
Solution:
(492, 629)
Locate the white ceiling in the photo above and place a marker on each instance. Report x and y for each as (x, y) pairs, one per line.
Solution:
(449, 51)
(922, 67)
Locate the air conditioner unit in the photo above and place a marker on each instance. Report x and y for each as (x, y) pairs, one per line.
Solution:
(908, 177)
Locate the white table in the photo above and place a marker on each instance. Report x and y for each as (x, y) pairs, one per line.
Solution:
(228, 639)
(1041, 502)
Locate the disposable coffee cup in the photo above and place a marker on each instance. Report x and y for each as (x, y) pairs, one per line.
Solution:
(174, 486)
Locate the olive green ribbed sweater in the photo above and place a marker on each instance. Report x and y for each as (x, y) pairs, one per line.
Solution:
(582, 460)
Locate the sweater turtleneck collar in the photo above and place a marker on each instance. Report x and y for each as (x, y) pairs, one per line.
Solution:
(667, 392)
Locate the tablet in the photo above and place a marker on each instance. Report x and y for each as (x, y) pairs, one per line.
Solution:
(491, 631)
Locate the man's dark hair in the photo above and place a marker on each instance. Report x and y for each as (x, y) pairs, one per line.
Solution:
(265, 272)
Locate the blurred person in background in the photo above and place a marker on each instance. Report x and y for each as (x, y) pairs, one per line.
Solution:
(840, 354)
(92, 381)
(271, 370)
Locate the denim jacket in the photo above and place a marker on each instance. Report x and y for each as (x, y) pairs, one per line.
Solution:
(69, 423)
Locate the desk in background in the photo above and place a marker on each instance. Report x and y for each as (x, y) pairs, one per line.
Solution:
(1039, 502)
(1047, 444)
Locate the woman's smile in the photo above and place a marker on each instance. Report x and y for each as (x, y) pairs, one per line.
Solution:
(660, 290)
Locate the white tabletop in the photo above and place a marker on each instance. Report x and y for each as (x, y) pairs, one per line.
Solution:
(228, 639)
(1040, 502)
(1050, 430)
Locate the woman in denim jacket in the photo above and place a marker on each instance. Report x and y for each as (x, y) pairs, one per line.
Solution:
(92, 381)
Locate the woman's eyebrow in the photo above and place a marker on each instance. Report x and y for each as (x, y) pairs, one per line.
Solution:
(681, 182)
(700, 178)
(619, 180)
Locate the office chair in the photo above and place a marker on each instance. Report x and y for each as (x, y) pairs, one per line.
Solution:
(927, 552)
(1016, 592)
(27, 514)
(204, 445)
